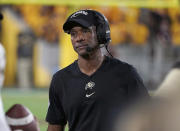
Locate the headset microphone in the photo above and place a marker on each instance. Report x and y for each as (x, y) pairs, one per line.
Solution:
(90, 49)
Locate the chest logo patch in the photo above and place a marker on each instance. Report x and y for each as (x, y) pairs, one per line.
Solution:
(89, 85)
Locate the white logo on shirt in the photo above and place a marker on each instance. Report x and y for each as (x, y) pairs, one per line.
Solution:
(89, 85)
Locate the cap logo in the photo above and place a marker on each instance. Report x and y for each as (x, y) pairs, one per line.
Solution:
(79, 12)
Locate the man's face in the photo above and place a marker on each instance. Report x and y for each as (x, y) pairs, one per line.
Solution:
(83, 38)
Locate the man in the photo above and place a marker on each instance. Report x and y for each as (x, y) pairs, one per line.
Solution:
(3, 124)
(25, 54)
(89, 93)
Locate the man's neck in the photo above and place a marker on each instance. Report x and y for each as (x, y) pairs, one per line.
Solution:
(90, 64)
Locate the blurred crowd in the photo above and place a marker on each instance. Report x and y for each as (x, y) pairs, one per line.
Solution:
(128, 25)
(45, 21)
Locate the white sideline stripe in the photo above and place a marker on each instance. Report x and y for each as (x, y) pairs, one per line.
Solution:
(20, 121)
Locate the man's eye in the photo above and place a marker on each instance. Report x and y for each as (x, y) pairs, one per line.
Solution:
(86, 30)
(72, 33)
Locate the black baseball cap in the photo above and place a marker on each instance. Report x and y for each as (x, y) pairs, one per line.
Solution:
(1, 16)
(84, 18)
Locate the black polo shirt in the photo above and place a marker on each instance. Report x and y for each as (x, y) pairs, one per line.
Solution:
(92, 103)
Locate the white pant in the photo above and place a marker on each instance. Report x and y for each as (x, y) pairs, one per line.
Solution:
(3, 124)
(24, 73)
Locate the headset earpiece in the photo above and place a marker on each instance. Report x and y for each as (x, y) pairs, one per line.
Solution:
(102, 29)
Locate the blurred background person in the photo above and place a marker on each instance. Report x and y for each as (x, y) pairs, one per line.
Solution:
(162, 113)
(156, 115)
(3, 124)
(26, 42)
(159, 43)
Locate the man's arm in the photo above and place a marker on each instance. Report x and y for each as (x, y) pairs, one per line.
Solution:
(55, 128)
(55, 117)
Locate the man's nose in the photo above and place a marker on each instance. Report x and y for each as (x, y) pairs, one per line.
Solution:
(80, 37)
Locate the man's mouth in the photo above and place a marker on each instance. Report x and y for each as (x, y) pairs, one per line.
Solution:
(81, 47)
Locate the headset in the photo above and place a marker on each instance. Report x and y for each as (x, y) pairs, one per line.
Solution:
(102, 29)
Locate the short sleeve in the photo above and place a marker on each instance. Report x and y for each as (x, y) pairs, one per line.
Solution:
(55, 114)
(136, 88)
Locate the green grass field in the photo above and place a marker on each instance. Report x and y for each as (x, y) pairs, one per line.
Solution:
(36, 100)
